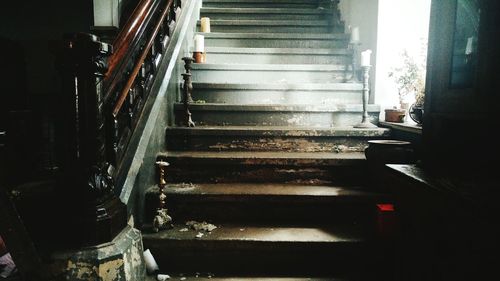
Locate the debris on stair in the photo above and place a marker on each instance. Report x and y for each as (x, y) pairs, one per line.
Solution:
(162, 277)
(185, 229)
(151, 265)
(199, 235)
(201, 226)
(183, 185)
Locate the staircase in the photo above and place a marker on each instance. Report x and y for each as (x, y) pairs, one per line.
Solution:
(273, 161)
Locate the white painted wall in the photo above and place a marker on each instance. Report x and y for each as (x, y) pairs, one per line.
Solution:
(364, 14)
(107, 12)
(402, 24)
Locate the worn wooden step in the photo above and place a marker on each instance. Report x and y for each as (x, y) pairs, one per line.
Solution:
(269, 138)
(276, 40)
(262, 73)
(278, 55)
(331, 115)
(261, 3)
(203, 166)
(277, 93)
(266, 13)
(269, 26)
(248, 249)
(210, 277)
(268, 202)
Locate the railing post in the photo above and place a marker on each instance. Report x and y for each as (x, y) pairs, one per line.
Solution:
(86, 172)
(365, 122)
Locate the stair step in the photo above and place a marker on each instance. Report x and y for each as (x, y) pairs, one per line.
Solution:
(197, 277)
(269, 138)
(278, 93)
(267, 202)
(336, 115)
(275, 40)
(265, 13)
(246, 249)
(269, 26)
(256, 166)
(261, 3)
(267, 73)
(278, 56)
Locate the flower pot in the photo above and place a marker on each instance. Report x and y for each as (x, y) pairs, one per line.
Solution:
(389, 152)
(395, 115)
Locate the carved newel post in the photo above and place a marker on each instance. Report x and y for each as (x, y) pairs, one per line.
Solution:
(95, 214)
(162, 220)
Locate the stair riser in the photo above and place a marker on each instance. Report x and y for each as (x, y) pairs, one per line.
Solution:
(254, 258)
(184, 171)
(259, 5)
(242, 96)
(268, 29)
(252, 143)
(277, 58)
(265, 209)
(263, 16)
(274, 43)
(314, 119)
(265, 76)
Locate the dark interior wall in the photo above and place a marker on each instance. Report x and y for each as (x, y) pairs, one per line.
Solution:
(461, 122)
(33, 25)
(29, 31)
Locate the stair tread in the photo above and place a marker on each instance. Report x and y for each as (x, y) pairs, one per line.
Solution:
(265, 234)
(289, 131)
(298, 51)
(260, 278)
(267, 67)
(280, 107)
(261, 1)
(260, 22)
(264, 10)
(265, 155)
(267, 189)
(285, 85)
(279, 35)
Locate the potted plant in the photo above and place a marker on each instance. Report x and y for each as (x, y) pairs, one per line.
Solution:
(409, 78)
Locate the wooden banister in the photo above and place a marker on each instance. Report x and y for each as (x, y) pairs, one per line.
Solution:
(127, 40)
(132, 68)
(123, 94)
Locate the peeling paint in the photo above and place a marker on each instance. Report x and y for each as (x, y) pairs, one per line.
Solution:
(82, 270)
(111, 270)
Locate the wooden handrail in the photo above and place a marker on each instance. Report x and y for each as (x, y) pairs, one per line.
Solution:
(131, 27)
(123, 94)
(125, 42)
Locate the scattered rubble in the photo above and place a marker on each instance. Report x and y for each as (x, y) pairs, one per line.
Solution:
(184, 185)
(183, 229)
(162, 277)
(199, 235)
(201, 226)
